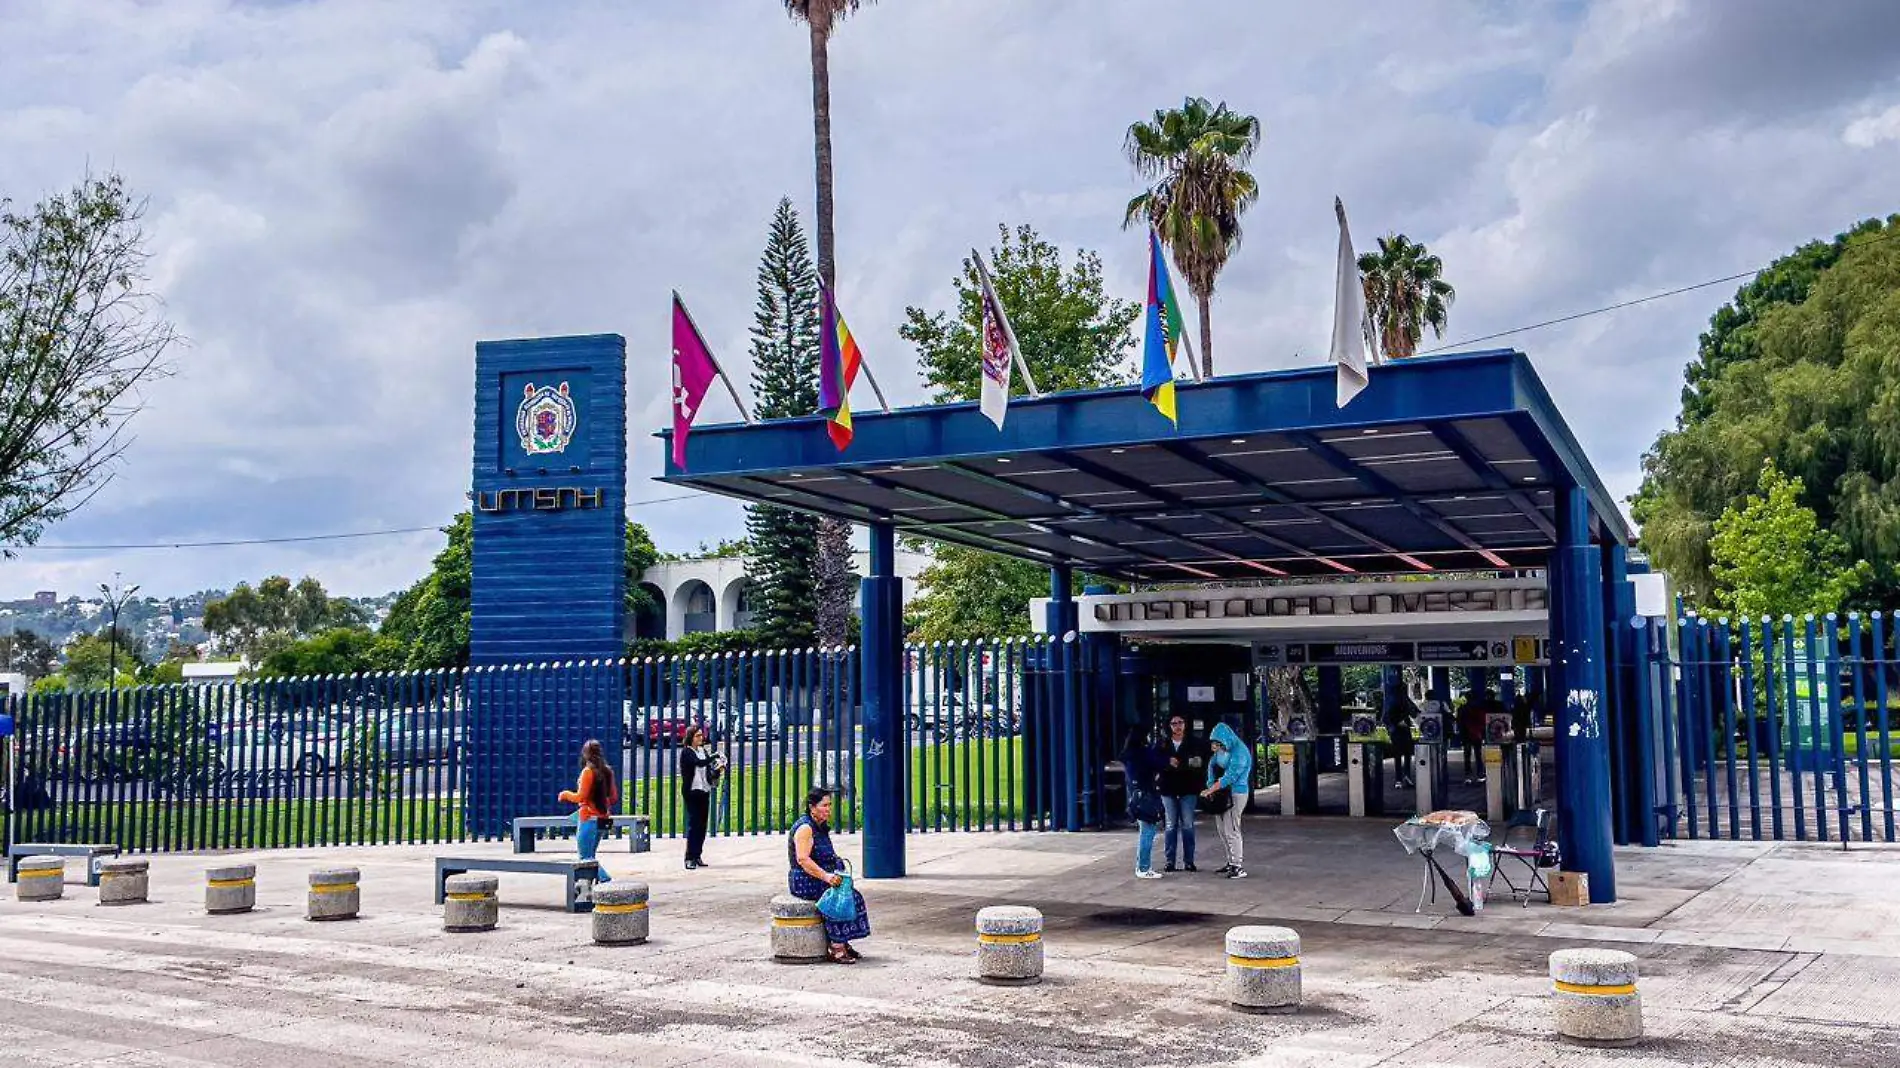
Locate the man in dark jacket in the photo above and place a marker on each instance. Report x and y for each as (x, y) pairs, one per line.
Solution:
(1183, 777)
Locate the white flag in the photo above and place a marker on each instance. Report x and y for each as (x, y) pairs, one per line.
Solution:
(998, 345)
(1349, 317)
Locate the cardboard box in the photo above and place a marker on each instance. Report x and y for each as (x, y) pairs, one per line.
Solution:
(1569, 888)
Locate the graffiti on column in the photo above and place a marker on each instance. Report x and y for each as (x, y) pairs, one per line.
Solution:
(1583, 714)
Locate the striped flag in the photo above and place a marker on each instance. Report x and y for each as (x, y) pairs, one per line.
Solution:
(838, 363)
(1166, 328)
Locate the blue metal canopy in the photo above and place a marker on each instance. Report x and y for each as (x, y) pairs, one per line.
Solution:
(1442, 463)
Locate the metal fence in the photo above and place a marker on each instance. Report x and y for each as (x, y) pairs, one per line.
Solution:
(993, 739)
(1778, 729)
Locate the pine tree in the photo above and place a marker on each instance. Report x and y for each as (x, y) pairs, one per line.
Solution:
(785, 381)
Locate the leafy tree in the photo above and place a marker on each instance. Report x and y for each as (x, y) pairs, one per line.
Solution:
(428, 624)
(253, 622)
(1771, 556)
(783, 543)
(1405, 293)
(1073, 336)
(1196, 155)
(89, 658)
(1812, 385)
(29, 654)
(1072, 333)
(703, 642)
(338, 651)
(78, 336)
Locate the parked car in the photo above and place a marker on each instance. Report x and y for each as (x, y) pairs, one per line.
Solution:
(413, 739)
(250, 748)
(655, 725)
(754, 720)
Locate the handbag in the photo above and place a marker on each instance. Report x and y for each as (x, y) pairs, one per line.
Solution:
(839, 904)
(1220, 802)
(1145, 806)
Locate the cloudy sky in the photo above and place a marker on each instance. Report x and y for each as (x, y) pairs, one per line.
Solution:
(345, 196)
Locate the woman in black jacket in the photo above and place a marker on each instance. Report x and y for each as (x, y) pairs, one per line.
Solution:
(699, 769)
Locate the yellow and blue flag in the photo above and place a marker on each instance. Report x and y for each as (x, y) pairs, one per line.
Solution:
(1163, 336)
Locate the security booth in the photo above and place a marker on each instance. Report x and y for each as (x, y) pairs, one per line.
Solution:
(1443, 468)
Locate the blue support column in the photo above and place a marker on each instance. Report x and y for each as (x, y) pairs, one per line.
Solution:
(1619, 604)
(1577, 696)
(1060, 617)
(1439, 687)
(881, 659)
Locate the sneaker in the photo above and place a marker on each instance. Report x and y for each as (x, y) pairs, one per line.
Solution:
(1149, 874)
(1237, 873)
(1191, 867)
(1171, 867)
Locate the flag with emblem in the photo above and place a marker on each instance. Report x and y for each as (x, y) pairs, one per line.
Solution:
(838, 363)
(999, 351)
(1165, 333)
(1349, 317)
(694, 370)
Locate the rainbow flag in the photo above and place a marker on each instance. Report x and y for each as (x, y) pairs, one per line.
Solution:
(1163, 335)
(838, 363)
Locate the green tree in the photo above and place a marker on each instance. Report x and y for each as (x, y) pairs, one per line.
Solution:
(1073, 336)
(428, 625)
(1196, 156)
(1072, 333)
(783, 543)
(1812, 384)
(28, 653)
(89, 658)
(254, 622)
(1771, 557)
(78, 337)
(1405, 293)
(337, 651)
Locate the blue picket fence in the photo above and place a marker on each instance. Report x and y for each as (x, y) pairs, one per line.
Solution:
(992, 736)
(1777, 729)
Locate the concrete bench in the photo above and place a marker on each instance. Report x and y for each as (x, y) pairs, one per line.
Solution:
(93, 852)
(527, 829)
(579, 875)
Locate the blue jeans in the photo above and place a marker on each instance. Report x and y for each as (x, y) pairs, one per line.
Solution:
(1179, 812)
(1145, 847)
(587, 840)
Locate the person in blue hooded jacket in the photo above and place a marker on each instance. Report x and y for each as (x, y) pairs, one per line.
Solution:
(1229, 785)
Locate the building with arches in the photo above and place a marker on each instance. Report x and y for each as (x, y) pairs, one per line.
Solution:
(713, 594)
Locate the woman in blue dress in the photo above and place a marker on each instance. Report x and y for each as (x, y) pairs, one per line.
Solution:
(814, 869)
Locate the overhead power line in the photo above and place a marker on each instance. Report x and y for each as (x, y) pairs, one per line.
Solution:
(295, 539)
(1678, 291)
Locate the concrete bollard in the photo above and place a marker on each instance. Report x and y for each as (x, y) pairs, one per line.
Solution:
(334, 894)
(1595, 999)
(1263, 969)
(620, 913)
(470, 904)
(124, 882)
(798, 932)
(42, 879)
(1009, 945)
(230, 889)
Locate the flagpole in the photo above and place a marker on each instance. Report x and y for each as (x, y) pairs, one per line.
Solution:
(865, 366)
(723, 377)
(1009, 331)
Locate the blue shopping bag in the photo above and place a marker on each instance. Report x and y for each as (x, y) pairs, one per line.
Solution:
(839, 904)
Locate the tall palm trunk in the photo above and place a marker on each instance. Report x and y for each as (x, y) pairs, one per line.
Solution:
(1206, 301)
(834, 535)
(820, 22)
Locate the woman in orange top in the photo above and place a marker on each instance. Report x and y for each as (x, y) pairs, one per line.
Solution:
(596, 795)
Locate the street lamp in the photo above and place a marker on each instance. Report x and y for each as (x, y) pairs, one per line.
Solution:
(115, 599)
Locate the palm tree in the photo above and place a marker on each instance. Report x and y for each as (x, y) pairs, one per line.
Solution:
(834, 535)
(1196, 157)
(1405, 293)
(823, 16)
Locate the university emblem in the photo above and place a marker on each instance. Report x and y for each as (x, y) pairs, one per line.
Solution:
(546, 419)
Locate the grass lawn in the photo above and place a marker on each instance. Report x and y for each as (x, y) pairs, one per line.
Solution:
(240, 824)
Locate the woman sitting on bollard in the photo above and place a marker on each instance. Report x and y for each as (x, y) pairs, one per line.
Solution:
(596, 795)
(814, 869)
(1142, 765)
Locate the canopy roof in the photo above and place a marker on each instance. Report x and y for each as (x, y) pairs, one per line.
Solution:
(1442, 463)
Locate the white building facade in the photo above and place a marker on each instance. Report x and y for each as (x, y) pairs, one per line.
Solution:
(696, 596)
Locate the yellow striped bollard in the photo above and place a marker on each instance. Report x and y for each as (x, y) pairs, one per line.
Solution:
(1263, 969)
(1594, 997)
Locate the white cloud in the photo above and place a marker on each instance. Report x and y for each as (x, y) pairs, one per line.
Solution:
(347, 196)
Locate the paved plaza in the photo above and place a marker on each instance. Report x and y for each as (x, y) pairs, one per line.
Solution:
(1750, 955)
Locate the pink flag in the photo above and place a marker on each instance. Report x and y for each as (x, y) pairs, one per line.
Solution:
(693, 372)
